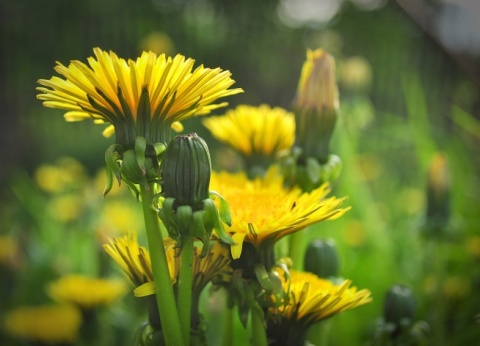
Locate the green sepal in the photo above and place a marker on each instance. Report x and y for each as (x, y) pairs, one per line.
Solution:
(159, 148)
(134, 188)
(252, 301)
(143, 114)
(240, 289)
(314, 170)
(332, 167)
(263, 278)
(140, 149)
(184, 216)
(112, 157)
(131, 169)
(211, 214)
(166, 214)
(224, 212)
(198, 225)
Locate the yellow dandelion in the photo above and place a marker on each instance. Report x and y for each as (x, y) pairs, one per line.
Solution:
(46, 324)
(119, 216)
(263, 211)
(134, 260)
(254, 130)
(141, 97)
(86, 292)
(312, 299)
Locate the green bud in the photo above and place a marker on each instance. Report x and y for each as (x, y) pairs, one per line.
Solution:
(316, 105)
(399, 307)
(437, 213)
(186, 170)
(321, 258)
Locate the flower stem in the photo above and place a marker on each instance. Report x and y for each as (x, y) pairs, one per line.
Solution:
(185, 287)
(163, 286)
(228, 329)
(296, 243)
(259, 332)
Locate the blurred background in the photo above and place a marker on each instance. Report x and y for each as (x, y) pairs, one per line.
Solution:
(409, 79)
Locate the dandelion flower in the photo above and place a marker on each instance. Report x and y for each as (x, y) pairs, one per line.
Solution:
(85, 292)
(264, 211)
(46, 324)
(141, 97)
(310, 299)
(253, 130)
(134, 260)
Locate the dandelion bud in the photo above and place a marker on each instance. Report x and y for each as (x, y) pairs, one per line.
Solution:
(438, 198)
(186, 170)
(399, 307)
(316, 105)
(438, 187)
(321, 258)
(187, 209)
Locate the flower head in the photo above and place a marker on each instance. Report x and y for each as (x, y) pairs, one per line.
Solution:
(85, 292)
(255, 132)
(141, 97)
(263, 210)
(312, 299)
(135, 261)
(316, 105)
(47, 324)
(317, 88)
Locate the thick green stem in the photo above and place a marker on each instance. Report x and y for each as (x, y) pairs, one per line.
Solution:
(228, 330)
(296, 242)
(163, 287)
(438, 255)
(185, 287)
(318, 333)
(259, 332)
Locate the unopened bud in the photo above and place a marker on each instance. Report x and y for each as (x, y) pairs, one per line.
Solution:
(321, 258)
(316, 105)
(438, 187)
(399, 306)
(186, 170)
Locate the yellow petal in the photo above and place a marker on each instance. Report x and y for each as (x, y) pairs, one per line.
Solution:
(147, 289)
(237, 248)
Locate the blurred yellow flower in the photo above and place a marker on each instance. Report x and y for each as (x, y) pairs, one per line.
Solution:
(46, 324)
(66, 208)
(158, 42)
(254, 130)
(66, 173)
(312, 299)
(263, 211)
(86, 292)
(356, 73)
(141, 97)
(120, 216)
(8, 248)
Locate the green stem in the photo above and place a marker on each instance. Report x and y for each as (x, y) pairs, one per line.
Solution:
(295, 247)
(163, 286)
(185, 287)
(439, 316)
(228, 333)
(259, 332)
(318, 333)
